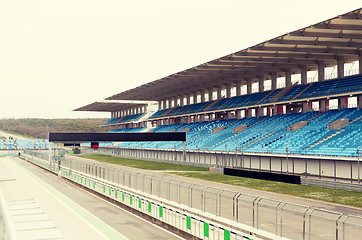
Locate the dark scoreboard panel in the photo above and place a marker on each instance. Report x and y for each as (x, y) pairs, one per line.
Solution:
(116, 137)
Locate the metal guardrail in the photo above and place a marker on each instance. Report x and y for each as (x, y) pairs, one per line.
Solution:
(351, 226)
(7, 230)
(320, 167)
(285, 220)
(177, 216)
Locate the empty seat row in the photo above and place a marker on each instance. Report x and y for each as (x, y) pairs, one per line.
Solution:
(270, 134)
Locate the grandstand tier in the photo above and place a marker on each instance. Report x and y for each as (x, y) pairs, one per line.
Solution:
(260, 99)
(268, 134)
(24, 144)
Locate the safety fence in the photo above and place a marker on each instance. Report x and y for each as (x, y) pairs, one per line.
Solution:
(200, 210)
(331, 168)
(7, 231)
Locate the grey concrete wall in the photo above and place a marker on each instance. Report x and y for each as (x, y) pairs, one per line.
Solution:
(321, 166)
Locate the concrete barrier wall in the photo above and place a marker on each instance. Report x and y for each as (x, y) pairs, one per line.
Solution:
(320, 166)
(206, 213)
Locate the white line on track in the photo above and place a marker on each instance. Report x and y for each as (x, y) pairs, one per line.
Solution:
(145, 220)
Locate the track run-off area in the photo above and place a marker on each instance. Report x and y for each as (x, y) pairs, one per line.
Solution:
(107, 219)
(45, 206)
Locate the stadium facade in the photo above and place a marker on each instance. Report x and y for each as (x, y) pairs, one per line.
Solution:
(275, 97)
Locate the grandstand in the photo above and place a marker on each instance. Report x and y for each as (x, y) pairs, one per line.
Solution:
(217, 105)
(24, 144)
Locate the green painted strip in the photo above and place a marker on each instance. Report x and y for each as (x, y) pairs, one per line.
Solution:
(139, 203)
(89, 182)
(104, 188)
(122, 196)
(226, 235)
(110, 191)
(188, 222)
(115, 193)
(160, 211)
(95, 222)
(130, 199)
(81, 180)
(149, 206)
(206, 229)
(94, 184)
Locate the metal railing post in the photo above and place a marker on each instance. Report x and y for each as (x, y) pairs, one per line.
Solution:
(218, 205)
(236, 206)
(343, 226)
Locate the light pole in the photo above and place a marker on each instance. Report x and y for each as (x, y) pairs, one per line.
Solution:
(358, 156)
(242, 158)
(287, 149)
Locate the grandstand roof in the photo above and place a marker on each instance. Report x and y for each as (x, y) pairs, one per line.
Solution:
(322, 43)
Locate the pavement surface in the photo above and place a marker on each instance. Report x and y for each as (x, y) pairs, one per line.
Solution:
(43, 205)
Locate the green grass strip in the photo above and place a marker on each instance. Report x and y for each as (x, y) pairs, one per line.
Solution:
(142, 164)
(95, 222)
(348, 198)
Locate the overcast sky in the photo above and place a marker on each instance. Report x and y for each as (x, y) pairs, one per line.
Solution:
(56, 56)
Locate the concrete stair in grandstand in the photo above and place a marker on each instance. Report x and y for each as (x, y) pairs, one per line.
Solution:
(225, 103)
(257, 122)
(167, 112)
(357, 118)
(145, 116)
(297, 126)
(217, 144)
(234, 135)
(282, 92)
(339, 123)
(325, 139)
(266, 96)
(212, 104)
(259, 139)
(218, 129)
(301, 124)
(309, 85)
